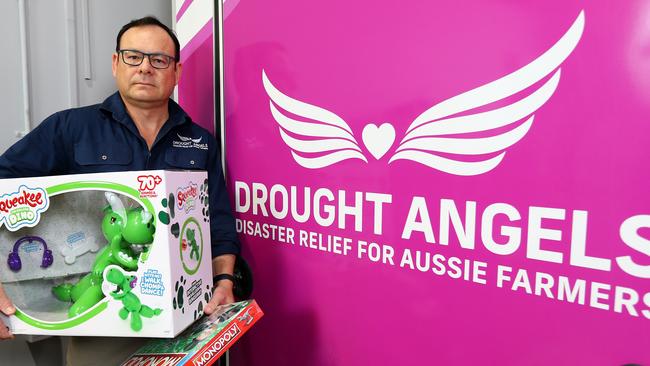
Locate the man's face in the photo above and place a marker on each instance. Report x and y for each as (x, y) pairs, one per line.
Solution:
(143, 84)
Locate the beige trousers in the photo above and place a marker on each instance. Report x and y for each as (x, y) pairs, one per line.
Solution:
(101, 351)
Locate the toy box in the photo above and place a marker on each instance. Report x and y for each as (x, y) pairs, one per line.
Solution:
(202, 343)
(109, 254)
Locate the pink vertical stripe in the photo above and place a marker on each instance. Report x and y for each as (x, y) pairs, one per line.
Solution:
(183, 8)
(228, 7)
(197, 40)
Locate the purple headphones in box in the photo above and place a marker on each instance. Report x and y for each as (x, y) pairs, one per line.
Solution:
(14, 259)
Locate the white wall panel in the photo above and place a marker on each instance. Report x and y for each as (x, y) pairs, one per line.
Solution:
(56, 54)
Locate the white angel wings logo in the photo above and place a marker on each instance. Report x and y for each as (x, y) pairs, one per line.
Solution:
(188, 139)
(321, 138)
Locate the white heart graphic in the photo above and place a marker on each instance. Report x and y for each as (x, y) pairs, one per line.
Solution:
(378, 139)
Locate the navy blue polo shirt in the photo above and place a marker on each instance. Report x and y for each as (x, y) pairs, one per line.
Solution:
(103, 138)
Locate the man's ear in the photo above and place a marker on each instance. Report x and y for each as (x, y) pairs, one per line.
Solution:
(179, 68)
(116, 59)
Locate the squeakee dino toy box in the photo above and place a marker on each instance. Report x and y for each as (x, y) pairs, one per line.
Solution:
(108, 254)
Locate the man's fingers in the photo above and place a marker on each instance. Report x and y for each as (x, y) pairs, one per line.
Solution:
(6, 306)
(211, 306)
(8, 309)
(4, 332)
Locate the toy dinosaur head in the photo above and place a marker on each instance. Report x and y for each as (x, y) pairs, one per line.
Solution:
(135, 225)
(190, 235)
(115, 276)
(139, 228)
(124, 283)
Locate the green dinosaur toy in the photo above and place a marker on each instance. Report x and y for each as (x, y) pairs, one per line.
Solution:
(131, 302)
(194, 247)
(122, 228)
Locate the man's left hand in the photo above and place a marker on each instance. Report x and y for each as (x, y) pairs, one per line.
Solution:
(222, 295)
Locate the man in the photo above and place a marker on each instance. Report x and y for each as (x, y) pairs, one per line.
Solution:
(134, 129)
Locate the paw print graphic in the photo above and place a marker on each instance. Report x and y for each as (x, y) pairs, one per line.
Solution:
(203, 198)
(199, 310)
(207, 295)
(179, 299)
(164, 216)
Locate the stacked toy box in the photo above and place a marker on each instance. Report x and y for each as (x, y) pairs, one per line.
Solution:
(204, 342)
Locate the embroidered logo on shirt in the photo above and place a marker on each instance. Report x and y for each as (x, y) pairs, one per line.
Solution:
(188, 142)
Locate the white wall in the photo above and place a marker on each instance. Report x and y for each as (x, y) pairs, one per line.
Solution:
(11, 104)
(57, 53)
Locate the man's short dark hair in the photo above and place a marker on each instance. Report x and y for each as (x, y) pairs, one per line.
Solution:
(150, 20)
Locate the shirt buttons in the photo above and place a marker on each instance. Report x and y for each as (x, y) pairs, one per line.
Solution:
(104, 157)
(191, 162)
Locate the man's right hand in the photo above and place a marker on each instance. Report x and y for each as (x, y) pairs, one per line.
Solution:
(7, 308)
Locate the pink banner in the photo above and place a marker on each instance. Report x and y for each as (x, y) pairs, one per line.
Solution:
(196, 89)
(442, 182)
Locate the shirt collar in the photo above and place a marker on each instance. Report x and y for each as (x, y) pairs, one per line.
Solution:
(115, 106)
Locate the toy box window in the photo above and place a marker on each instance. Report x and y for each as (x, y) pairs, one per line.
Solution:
(55, 270)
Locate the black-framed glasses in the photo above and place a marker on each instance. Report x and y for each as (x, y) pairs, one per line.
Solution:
(135, 58)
